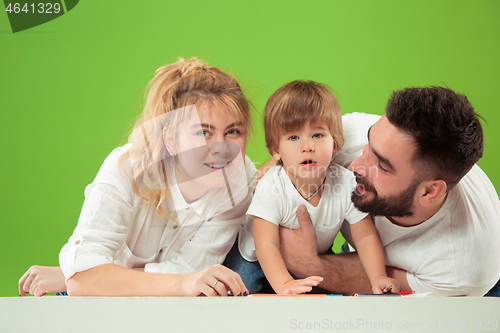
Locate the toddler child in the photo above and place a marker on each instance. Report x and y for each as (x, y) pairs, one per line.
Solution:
(303, 130)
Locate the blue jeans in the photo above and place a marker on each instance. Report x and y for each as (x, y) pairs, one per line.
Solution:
(250, 272)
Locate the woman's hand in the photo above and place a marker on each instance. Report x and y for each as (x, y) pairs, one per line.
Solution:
(39, 280)
(301, 286)
(213, 281)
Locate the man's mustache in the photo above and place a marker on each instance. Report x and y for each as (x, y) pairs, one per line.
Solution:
(361, 180)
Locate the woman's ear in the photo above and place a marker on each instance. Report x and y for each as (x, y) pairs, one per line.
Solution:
(433, 190)
(168, 142)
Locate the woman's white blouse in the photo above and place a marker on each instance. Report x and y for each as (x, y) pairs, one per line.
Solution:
(116, 227)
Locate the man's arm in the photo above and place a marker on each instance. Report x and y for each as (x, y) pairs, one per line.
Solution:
(342, 273)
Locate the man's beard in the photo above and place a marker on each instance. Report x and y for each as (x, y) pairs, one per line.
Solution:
(398, 205)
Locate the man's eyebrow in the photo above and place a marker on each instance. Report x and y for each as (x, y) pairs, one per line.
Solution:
(380, 157)
(384, 160)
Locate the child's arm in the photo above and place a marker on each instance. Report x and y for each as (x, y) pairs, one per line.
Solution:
(369, 248)
(267, 247)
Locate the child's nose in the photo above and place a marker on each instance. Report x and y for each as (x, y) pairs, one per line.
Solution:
(307, 146)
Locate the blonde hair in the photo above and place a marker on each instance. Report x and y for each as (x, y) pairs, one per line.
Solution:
(174, 87)
(297, 103)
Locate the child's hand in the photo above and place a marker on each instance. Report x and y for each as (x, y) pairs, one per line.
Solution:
(383, 284)
(301, 286)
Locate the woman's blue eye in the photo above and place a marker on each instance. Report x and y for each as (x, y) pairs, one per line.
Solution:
(317, 136)
(293, 138)
(203, 133)
(233, 132)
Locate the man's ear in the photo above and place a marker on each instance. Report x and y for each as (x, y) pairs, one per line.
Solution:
(432, 191)
(168, 142)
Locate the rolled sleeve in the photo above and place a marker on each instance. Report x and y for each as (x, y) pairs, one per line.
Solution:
(103, 223)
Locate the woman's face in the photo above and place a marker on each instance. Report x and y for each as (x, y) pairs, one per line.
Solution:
(211, 143)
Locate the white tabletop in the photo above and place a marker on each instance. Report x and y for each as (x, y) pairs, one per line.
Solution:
(249, 314)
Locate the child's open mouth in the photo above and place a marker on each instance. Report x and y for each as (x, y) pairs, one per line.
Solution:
(308, 163)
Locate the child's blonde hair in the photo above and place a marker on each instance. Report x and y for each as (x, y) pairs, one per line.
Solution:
(297, 103)
(174, 87)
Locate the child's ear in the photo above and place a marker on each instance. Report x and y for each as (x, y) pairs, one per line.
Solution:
(335, 149)
(168, 142)
(276, 156)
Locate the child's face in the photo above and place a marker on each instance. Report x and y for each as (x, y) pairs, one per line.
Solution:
(306, 153)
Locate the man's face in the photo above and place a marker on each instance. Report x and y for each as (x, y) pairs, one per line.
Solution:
(386, 182)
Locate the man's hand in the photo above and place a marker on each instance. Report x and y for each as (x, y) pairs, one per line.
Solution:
(299, 247)
(342, 273)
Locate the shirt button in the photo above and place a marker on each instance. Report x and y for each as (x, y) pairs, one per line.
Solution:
(77, 242)
(187, 208)
(175, 226)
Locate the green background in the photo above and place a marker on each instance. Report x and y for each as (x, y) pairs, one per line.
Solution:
(70, 88)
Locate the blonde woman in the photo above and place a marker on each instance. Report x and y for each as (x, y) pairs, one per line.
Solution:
(164, 210)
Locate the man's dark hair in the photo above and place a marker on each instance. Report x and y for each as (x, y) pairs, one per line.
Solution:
(446, 131)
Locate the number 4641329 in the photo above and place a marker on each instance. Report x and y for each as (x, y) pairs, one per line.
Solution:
(41, 8)
(485, 324)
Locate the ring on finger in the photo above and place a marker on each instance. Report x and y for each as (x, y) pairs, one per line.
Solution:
(215, 283)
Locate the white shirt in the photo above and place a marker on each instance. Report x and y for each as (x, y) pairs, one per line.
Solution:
(115, 227)
(455, 252)
(276, 200)
(355, 127)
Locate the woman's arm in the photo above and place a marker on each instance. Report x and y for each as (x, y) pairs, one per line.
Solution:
(266, 236)
(113, 280)
(370, 252)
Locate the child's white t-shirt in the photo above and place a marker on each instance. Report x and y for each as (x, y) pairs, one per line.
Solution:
(276, 200)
